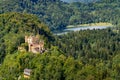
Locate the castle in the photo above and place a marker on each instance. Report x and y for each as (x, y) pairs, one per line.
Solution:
(34, 44)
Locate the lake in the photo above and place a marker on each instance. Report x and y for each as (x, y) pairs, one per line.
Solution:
(81, 28)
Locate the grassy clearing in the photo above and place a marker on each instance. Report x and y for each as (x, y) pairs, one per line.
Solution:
(92, 24)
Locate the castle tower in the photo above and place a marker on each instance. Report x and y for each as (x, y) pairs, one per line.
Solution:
(30, 47)
(26, 38)
(41, 43)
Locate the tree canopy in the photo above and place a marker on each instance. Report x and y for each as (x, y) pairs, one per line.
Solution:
(81, 55)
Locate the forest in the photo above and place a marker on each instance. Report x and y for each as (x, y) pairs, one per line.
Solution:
(75, 56)
(81, 55)
(96, 43)
(57, 14)
(94, 47)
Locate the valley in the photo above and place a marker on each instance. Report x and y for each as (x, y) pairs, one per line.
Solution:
(57, 14)
(57, 40)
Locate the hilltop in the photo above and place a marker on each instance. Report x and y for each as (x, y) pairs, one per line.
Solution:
(15, 26)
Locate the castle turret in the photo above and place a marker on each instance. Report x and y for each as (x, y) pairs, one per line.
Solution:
(26, 38)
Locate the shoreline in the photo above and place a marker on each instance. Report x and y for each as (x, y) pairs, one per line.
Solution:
(71, 29)
(91, 24)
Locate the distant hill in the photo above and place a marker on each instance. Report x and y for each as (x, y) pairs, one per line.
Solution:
(54, 13)
(58, 14)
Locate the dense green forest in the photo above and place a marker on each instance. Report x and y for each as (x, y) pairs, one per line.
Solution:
(98, 48)
(101, 44)
(81, 55)
(57, 14)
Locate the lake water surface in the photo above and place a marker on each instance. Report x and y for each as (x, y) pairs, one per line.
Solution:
(81, 28)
